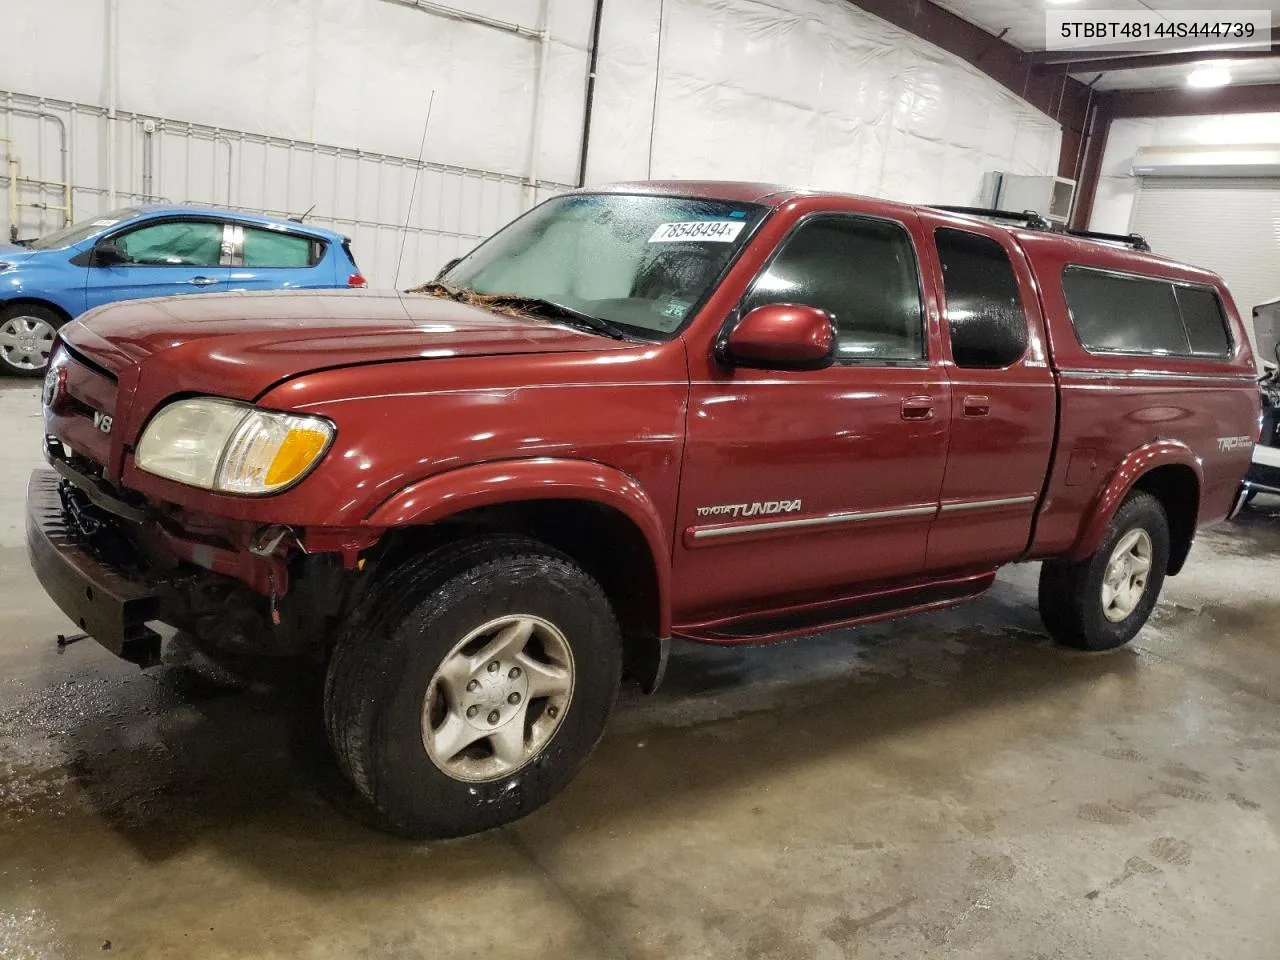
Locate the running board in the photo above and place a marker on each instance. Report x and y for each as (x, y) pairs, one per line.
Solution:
(816, 617)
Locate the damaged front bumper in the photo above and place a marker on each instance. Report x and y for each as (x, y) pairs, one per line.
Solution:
(108, 604)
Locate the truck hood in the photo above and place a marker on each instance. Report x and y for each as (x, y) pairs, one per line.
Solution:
(240, 344)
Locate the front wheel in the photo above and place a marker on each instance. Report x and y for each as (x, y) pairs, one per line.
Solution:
(471, 685)
(1102, 601)
(26, 339)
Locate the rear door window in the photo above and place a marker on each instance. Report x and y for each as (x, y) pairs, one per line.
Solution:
(1116, 313)
(985, 319)
(272, 248)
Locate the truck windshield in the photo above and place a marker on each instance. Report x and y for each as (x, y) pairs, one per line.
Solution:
(641, 263)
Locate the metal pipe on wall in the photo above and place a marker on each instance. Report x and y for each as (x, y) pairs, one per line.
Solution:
(113, 67)
(12, 167)
(589, 100)
(539, 98)
(466, 16)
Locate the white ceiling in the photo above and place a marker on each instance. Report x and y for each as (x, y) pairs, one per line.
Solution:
(1025, 22)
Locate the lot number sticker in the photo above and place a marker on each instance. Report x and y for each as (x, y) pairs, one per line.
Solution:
(718, 231)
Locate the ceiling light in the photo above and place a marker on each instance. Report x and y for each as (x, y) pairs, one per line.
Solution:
(1209, 75)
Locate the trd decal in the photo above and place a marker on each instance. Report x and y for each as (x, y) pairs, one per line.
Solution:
(757, 509)
(1234, 443)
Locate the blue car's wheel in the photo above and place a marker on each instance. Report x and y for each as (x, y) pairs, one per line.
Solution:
(26, 339)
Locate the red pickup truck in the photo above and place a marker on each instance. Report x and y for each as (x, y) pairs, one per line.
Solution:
(731, 413)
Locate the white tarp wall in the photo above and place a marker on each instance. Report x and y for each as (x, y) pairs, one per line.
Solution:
(279, 104)
(808, 92)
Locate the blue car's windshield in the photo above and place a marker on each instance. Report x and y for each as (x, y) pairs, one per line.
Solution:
(634, 261)
(85, 228)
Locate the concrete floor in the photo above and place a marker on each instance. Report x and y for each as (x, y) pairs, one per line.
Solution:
(950, 785)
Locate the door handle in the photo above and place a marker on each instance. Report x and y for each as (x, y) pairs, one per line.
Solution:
(976, 406)
(202, 281)
(917, 408)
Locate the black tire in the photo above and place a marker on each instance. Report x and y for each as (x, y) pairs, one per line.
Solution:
(1071, 593)
(402, 630)
(9, 358)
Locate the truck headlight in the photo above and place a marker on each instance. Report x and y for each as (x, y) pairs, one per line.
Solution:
(231, 447)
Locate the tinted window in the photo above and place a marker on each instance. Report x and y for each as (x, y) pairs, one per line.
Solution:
(862, 272)
(1125, 314)
(272, 248)
(984, 313)
(191, 243)
(1202, 316)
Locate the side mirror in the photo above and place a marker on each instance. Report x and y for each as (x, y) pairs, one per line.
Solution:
(781, 336)
(108, 253)
(448, 266)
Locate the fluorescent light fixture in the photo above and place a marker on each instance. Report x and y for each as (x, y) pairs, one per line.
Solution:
(1208, 75)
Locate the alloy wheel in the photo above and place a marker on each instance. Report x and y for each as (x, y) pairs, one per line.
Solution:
(25, 342)
(497, 698)
(1125, 579)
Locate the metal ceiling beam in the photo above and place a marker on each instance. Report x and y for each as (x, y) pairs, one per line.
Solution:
(1142, 61)
(1063, 98)
(1186, 102)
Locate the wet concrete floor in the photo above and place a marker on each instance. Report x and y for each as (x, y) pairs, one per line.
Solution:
(949, 785)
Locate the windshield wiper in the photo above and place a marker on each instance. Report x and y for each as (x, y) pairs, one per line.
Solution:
(516, 301)
(560, 312)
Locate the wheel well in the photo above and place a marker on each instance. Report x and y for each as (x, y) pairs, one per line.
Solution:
(36, 302)
(600, 539)
(1178, 491)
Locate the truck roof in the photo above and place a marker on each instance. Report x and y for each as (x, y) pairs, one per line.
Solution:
(774, 195)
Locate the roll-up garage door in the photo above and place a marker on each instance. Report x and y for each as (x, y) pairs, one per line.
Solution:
(1231, 226)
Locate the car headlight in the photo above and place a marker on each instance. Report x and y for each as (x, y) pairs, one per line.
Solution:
(231, 447)
(5, 265)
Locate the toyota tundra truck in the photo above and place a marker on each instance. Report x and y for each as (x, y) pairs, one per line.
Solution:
(725, 412)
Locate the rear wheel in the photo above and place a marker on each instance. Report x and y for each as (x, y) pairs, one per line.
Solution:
(1102, 601)
(26, 339)
(471, 685)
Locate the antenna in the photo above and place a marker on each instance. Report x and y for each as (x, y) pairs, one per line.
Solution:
(413, 190)
(304, 216)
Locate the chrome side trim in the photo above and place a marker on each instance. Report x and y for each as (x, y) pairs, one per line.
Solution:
(829, 520)
(985, 504)
(1155, 375)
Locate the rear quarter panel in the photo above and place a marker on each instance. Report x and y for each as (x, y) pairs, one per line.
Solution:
(1164, 409)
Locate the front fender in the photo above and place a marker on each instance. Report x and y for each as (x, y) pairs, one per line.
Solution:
(546, 478)
(1159, 453)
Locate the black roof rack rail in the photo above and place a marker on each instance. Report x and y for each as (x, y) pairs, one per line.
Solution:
(1135, 240)
(1029, 217)
(1037, 221)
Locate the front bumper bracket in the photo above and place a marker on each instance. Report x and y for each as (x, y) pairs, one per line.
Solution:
(109, 606)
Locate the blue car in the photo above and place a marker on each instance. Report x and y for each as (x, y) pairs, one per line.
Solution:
(153, 251)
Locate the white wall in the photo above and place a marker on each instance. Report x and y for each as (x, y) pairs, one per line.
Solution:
(813, 92)
(810, 92)
(1117, 187)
